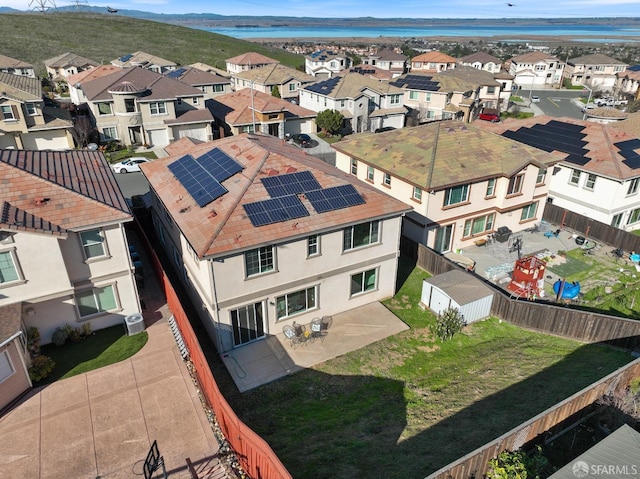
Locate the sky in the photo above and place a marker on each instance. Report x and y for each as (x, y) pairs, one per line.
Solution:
(372, 8)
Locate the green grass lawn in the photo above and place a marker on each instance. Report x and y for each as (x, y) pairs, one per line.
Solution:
(408, 405)
(104, 347)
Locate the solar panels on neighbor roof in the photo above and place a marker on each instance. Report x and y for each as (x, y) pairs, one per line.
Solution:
(202, 177)
(176, 73)
(126, 58)
(628, 151)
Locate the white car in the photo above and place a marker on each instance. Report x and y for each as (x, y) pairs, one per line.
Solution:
(129, 165)
(535, 99)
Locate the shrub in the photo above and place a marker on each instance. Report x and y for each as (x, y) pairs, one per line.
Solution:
(73, 334)
(33, 340)
(86, 329)
(59, 336)
(449, 322)
(40, 368)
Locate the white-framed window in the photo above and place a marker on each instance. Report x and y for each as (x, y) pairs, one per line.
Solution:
(6, 366)
(427, 96)
(529, 211)
(413, 95)
(590, 182)
(387, 179)
(515, 185)
(93, 243)
(31, 109)
(296, 303)
(195, 100)
(417, 193)
(7, 113)
(158, 108)
(542, 175)
(634, 216)
(616, 221)
(313, 245)
(491, 90)
(293, 86)
(104, 108)
(364, 282)
(479, 225)
(633, 186)
(370, 173)
(343, 103)
(248, 129)
(130, 105)
(96, 300)
(9, 271)
(491, 187)
(259, 261)
(179, 101)
(216, 88)
(363, 234)
(110, 133)
(354, 166)
(575, 177)
(456, 195)
(394, 99)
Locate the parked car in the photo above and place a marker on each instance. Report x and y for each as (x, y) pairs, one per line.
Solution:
(302, 139)
(535, 99)
(493, 117)
(129, 165)
(589, 106)
(383, 129)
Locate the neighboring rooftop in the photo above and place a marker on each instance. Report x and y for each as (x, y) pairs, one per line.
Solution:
(351, 85)
(251, 58)
(433, 56)
(141, 59)
(594, 59)
(21, 88)
(69, 59)
(8, 62)
(533, 57)
(480, 57)
(275, 74)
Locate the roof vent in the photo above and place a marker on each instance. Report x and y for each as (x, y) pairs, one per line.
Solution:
(40, 201)
(291, 169)
(273, 172)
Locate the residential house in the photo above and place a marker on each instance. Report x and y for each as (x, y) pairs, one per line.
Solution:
(211, 69)
(61, 67)
(365, 103)
(288, 81)
(598, 172)
(25, 121)
(138, 106)
(278, 237)
(246, 111)
(16, 67)
(394, 62)
(248, 61)
(64, 255)
(14, 355)
(324, 64)
(210, 83)
(462, 182)
(536, 69)
(605, 115)
(75, 81)
(628, 83)
(597, 71)
(369, 71)
(144, 60)
(482, 61)
(432, 62)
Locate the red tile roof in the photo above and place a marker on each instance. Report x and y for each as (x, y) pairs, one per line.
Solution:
(251, 58)
(433, 56)
(222, 226)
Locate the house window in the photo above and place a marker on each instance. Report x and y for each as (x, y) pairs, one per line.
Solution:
(6, 366)
(387, 179)
(590, 183)
(195, 100)
(634, 217)
(542, 174)
(31, 109)
(418, 64)
(110, 133)
(248, 323)
(296, 303)
(216, 88)
(370, 173)
(313, 245)
(529, 212)
(158, 108)
(363, 282)
(8, 268)
(417, 193)
(354, 166)
(616, 221)
(96, 300)
(575, 177)
(491, 90)
(293, 86)
(343, 103)
(394, 99)
(248, 129)
(478, 225)
(633, 186)
(427, 96)
(104, 109)
(515, 185)
(7, 113)
(491, 187)
(92, 243)
(413, 95)
(259, 261)
(361, 235)
(129, 105)
(456, 195)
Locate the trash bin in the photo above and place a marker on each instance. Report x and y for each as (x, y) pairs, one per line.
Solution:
(502, 234)
(580, 240)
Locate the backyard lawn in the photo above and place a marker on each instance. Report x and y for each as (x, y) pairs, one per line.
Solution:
(408, 405)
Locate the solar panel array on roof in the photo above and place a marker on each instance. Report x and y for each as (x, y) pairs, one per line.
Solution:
(634, 68)
(176, 73)
(203, 177)
(126, 58)
(290, 184)
(554, 136)
(628, 151)
(417, 82)
(324, 87)
(275, 210)
(334, 198)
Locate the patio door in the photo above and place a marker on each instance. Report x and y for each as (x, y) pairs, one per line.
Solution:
(443, 239)
(248, 323)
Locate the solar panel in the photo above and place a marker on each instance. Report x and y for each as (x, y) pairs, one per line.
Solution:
(554, 136)
(578, 160)
(417, 82)
(126, 58)
(202, 187)
(275, 210)
(324, 87)
(219, 165)
(634, 68)
(627, 150)
(176, 73)
(334, 198)
(566, 126)
(290, 184)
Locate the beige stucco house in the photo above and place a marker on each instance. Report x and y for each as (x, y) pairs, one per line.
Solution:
(392, 61)
(248, 61)
(536, 69)
(597, 71)
(61, 67)
(287, 80)
(482, 61)
(144, 60)
(16, 67)
(432, 62)
(284, 238)
(324, 64)
(209, 82)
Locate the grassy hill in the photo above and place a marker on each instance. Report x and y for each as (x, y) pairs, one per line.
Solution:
(35, 37)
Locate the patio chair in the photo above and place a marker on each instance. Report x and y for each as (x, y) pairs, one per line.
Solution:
(316, 329)
(297, 334)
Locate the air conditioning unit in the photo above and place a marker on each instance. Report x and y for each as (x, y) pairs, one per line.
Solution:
(134, 324)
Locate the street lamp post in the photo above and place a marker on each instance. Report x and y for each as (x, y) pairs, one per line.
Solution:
(584, 114)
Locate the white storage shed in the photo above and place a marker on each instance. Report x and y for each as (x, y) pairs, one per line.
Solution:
(458, 289)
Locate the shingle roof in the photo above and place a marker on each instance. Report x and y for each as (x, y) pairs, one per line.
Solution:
(631, 125)
(237, 108)
(352, 85)
(140, 59)
(463, 288)
(464, 78)
(433, 56)
(603, 156)
(92, 74)
(275, 74)
(440, 154)
(196, 77)
(389, 55)
(8, 62)
(222, 227)
(594, 59)
(370, 71)
(69, 59)
(21, 88)
(251, 58)
(482, 57)
(533, 57)
(54, 191)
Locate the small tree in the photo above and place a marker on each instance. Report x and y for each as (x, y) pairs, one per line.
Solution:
(449, 322)
(275, 91)
(82, 130)
(330, 121)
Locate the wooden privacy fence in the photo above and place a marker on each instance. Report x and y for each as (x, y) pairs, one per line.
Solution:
(254, 454)
(475, 464)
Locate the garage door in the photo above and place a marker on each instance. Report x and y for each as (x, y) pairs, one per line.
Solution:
(197, 133)
(158, 137)
(46, 140)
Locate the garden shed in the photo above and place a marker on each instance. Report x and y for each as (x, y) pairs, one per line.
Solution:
(457, 289)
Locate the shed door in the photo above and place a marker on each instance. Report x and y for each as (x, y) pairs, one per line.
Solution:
(439, 300)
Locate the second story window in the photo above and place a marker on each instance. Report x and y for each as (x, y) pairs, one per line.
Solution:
(293, 86)
(491, 90)
(313, 245)
(158, 108)
(633, 186)
(456, 195)
(387, 179)
(195, 100)
(515, 185)
(130, 105)
(491, 187)
(8, 269)
(575, 177)
(258, 261)
(7, 113)
(542, 173)
(31, 109)
(361, 235)
(394, 99)
(413, 95)
(427, 96)
(417, 193)
(590, 183)
(104, 109)
(354, 166)
(93, 244)
(370, 173)
(216, 88)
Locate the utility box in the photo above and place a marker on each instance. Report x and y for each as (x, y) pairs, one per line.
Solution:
(134, 324)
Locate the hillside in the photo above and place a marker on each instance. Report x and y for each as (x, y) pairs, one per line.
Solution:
(35, 37)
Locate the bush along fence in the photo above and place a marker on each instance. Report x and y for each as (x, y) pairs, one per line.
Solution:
(256, 457)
